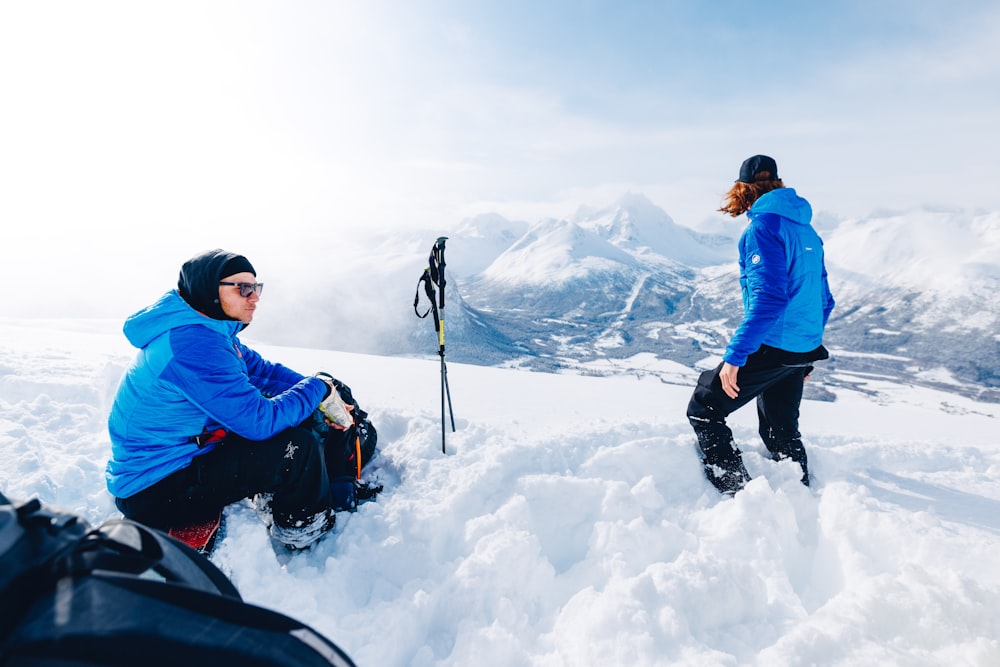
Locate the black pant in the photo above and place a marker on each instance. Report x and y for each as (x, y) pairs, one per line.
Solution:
(775, 378)
(290, 465)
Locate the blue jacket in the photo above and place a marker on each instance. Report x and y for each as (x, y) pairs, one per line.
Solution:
(192, 375)
(786, 296)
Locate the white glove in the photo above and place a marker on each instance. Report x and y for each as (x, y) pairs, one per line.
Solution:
(333, 406)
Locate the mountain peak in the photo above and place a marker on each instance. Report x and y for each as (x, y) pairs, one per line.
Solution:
(636, 224)
(555, 250)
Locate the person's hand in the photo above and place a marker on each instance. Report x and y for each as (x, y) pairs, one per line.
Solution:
(728, 377)
(336, 412)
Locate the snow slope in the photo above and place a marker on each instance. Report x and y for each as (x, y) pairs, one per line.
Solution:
(569, 524)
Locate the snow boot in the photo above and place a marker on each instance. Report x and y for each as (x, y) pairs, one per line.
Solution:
(366, 490)
(304, 533)
(793, 450)
(720, 457)
(727, 475)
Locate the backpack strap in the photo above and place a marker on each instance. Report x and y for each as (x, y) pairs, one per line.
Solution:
(130, 548)
(33, 539)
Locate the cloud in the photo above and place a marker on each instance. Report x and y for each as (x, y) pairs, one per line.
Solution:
(137, 134)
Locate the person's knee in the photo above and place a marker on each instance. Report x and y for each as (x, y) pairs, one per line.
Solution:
(698, 410)
(303, 451)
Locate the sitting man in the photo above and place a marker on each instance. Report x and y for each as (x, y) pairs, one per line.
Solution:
(200, 420)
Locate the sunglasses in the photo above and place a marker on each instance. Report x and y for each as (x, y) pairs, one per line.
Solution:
(246, 289)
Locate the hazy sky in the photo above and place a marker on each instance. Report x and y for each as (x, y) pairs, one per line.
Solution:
(134, 134)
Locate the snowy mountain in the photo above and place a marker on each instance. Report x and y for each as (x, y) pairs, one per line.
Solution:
(637, 224)
(569, 292)
(624, 289)
(921, 293)
(916, 294)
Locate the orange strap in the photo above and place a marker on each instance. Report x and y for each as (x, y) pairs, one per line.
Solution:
(357, 452)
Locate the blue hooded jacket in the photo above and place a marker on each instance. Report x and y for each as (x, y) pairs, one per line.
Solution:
(786, 296)
(191, 375)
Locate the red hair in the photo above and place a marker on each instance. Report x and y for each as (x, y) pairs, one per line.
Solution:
(741, 196)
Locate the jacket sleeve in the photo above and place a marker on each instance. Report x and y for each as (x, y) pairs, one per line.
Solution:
(765, 290)
(828, 302)
(209, 370)
(271, 378)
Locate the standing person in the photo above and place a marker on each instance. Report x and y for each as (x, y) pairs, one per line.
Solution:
(786, 305)
(200, 420)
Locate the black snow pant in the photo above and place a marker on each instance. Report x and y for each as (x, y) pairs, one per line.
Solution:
(775, 378)
(289, 465)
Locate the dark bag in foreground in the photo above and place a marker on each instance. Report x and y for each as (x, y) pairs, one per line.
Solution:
(125, 594)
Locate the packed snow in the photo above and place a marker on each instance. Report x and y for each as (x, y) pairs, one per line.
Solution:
(568, 523)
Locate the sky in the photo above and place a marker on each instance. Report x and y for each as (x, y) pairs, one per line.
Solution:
(569, 523)
(133, 135)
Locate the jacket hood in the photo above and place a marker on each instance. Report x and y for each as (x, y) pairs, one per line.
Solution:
(170, 312)
(784, 202)
(198, 283)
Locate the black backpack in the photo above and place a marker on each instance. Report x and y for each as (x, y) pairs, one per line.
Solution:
(347, 453)
(125, 594)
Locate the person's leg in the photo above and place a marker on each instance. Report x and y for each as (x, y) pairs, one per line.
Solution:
(764, 426)
(709, 406)
(292, 469)
(290, 466)
(173, 501)
(778, 414)
(707, 411)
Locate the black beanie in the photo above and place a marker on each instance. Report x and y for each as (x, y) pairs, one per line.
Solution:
(756, 164)
(237, 264)
(198, 283)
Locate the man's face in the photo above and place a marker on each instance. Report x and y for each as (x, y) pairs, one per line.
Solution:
(233, 304)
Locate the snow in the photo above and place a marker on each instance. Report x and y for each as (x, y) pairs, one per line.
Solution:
(569, 523)
(555, 251)
(636, 223)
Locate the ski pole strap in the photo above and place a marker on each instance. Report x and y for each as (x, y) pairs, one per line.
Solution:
(432, 279)
(428, 284)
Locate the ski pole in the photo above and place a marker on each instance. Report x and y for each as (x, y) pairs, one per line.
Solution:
(434, 282)
(437, 260)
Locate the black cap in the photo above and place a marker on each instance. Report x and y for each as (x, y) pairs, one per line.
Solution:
(199, 279)
(756, 164)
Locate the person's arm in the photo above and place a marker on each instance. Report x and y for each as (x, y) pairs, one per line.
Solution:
(270, 377)
(210, 373)
(828, 302)
(766, 271)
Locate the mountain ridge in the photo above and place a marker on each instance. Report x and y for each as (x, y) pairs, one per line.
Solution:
(622, 288)
(915, 293)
